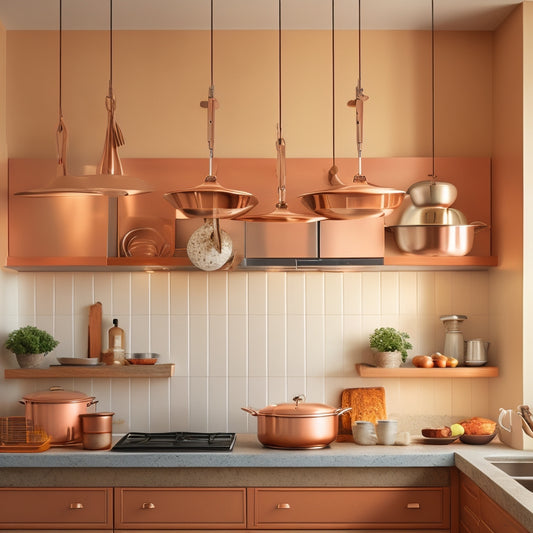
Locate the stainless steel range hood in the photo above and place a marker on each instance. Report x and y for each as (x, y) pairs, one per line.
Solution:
(326, 245)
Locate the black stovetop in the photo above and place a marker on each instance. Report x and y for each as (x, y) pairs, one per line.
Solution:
(175, 441)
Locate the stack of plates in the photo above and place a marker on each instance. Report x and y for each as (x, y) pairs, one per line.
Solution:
(79, 361)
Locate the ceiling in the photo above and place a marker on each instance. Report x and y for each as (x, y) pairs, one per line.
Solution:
(463, 15)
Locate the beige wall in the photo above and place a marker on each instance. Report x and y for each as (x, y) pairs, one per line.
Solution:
(160, 78)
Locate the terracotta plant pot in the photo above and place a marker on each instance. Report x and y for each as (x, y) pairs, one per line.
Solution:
(30, 360)
(388, 359)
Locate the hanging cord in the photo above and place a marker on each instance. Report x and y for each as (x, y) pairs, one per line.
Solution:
(110, 43)
(359, 95)
(359, 44)
(212, 47)
(211, 104)
(433, 88)
(279, 69)
(61, 131)
(333, 80)
(60, 57)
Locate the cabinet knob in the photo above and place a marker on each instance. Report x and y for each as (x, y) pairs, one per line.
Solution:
(76, 505)
(283, 506)
(148, 505)
(413, 506)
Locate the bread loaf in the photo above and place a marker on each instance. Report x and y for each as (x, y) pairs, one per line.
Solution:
(367, 403)
(478, 426)
(437, 433)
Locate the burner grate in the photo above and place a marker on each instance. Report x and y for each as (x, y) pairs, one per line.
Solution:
(175, 441)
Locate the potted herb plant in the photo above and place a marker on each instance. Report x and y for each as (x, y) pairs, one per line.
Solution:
(390, 347)
(30, 345)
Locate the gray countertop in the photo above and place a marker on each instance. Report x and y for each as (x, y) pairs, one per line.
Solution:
(252, 464)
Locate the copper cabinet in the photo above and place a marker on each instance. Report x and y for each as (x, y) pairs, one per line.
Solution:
(56, 508)
(349, 508)
(180, 508)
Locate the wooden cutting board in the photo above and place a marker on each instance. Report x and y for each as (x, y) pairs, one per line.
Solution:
(95, 330)
(367, 403)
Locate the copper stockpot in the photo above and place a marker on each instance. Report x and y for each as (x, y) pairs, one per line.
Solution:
(297, 425)
(57, 411)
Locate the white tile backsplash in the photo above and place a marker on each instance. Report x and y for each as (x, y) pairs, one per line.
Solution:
(250, 338)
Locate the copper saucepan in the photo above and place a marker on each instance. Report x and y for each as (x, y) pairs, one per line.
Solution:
(297, 425)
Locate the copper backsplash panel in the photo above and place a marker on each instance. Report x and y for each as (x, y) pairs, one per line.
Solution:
(77, 227)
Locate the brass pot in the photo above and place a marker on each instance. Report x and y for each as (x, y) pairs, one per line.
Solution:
(297, 425)
(57, 411)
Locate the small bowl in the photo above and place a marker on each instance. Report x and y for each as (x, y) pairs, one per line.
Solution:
(143, 358)
(477, 439)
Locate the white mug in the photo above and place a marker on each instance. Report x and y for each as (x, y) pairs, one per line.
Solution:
(386, 431)
(363, 433)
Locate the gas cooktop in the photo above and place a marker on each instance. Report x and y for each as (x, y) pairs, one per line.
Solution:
(175, 441)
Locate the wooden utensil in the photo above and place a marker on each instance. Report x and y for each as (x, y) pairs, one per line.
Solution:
(95, 330)
(367, 403)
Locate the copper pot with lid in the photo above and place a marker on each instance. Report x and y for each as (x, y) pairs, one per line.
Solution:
(57, 411)
(297, 425)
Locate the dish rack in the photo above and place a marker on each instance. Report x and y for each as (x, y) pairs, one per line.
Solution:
(18, 435)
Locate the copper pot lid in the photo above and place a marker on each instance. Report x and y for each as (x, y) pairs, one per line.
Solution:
(211, 200)
(298, 409)
(57, 394)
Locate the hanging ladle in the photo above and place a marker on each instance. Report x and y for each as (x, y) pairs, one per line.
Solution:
(281, 212)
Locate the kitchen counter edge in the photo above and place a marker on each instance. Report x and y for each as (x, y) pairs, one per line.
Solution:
(248, 453)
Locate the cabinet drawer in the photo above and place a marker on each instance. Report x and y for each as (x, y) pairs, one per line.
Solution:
(179, 508)
(348, 508)
(47, 508)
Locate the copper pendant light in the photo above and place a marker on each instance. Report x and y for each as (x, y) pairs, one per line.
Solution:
(360, 199)
(281, 212)
(62, 183)
(210, 199)
(109, 180)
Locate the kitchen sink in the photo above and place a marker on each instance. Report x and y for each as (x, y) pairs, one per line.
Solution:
(521, 470)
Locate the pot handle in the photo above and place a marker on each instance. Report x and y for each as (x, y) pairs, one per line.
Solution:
(478, 226)
(341, 411)
(22, 402)
(253, 412)
(92, 402)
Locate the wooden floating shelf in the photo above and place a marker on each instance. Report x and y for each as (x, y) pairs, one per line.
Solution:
(367, 371)
(423, 260)
(106, 371)
(132, 264)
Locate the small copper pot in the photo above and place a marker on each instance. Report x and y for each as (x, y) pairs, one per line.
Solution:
(297, 425)
(96, 429)
(58, 411)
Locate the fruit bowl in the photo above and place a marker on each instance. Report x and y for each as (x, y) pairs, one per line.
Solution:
(477, 439)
